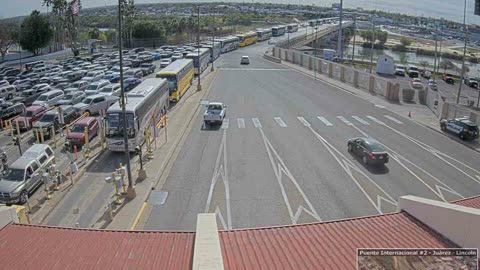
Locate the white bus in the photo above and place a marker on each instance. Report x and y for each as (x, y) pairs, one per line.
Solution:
(215, 49)
(292, 28)
(278, 30)
(146, 104)
(201, 58)
(264, 34)
(229, 43)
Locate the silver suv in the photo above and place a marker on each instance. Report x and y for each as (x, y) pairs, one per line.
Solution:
(24, 175)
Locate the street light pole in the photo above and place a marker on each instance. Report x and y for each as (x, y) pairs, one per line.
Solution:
(373, 41)
(199, 85)
(354, 34)
(340, 38)
(131, 188)
(213, 43)
(464, 51)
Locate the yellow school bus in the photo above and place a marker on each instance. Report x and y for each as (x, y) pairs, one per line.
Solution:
(179, 75)
(247, 39)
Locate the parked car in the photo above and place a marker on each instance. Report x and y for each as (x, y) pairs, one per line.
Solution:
(134, 73)
(369, 150)
(412, 72)
(130, 83)
(165, 62)
(7, 92)
(23, 84)
(426, 74)
(27, 97)
(72, 98)
(94, 104)
(95, 87)
(80, 85)
(31, 114)
(472, 82)
(49, 98)
(112, 77)
(215, 113)
(42, 86)
(93, 76)
(416, 83)
(23, 176)
(137, 50)
(156, 56)
(148, 68)
(448, 78)
(111, 90)
(63, 85)
(52, 118)
(10, 72)
(76, 136)
(9, 110)
(400, 71)
(177, 56)
(245, 60)
(433, 85)
(463, 127)
(4, 83)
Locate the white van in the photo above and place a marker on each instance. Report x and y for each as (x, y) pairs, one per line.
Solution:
(49, 98)
(41, 70)
(7, 92)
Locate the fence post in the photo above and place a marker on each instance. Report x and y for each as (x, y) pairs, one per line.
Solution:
(371, 84)
(330, 70)
(310, 60)
(342, 73)
(319, 66)
(53, 137)
(355, 78)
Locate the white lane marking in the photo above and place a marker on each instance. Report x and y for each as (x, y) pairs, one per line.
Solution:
(360, 120)
(304, 122)
(375, 120)
(435, 188)
(280, 170)
(345, 120)
(221, 171)
(393, 119)
(256, 123)
(241, 123)
(379, 195)
(380, 106)
(226, 123)
(280, 122)
(325, 121)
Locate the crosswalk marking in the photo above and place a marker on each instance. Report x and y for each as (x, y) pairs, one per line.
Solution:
(360, 120)
(225, 123)
(241, 122)
(375, 120)
(256, 123)
(280, 122)
(393, 119)
(325, 121)
(304, 122)
(345, 120)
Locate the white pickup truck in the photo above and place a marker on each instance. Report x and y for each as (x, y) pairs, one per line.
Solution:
(215, 113)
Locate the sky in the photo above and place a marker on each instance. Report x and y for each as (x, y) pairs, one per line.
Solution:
(450, 9)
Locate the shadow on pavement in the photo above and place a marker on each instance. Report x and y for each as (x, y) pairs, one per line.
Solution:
(210, 127)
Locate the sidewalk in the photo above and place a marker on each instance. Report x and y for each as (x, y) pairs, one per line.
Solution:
(157, 169)
(419, 113)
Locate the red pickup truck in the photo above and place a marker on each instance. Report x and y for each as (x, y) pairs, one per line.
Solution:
(32, 114)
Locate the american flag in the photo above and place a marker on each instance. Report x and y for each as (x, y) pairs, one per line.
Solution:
(75, 7)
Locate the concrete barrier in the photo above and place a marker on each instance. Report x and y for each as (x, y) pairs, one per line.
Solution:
(272, 58)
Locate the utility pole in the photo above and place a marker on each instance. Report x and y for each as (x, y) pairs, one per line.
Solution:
(131, 188)
(354, 34)
(340, 38)
(464, 52)
(373, 42)
(316, 41)
(435, 59)
(199, 85)
(213, 43)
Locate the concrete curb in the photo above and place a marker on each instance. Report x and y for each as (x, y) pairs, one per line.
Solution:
(272, 58)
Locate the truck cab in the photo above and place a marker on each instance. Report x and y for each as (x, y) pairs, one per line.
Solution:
(215, 113)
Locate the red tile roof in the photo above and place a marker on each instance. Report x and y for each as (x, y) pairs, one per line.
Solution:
(327, 245)
(473, 202)
(49, 248)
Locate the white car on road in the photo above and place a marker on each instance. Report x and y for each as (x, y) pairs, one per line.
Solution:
(215, 113)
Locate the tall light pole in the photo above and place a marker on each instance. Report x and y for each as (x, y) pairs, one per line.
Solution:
(373, 42)
(213, 43)
(354, 34)
(340, 38)
(131, 188)
(199, 85)
(464, 51)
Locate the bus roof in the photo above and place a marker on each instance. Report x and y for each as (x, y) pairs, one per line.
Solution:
(175, 67)
(195, 52)
(265, 30)
(248, 34)
(138, 95)
(229, 38)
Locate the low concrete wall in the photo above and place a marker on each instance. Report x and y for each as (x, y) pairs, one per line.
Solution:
(457, 223)
(272, 58)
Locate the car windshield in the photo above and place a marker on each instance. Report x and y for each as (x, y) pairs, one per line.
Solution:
(107, 89)
(26, 93)
(215, 107)
(114, 124)
(77, 128)
(16, 175)
(42, 98)
(48, 117)
(87, 100)
(92, 87)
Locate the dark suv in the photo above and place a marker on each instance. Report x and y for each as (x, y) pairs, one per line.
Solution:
(463, 127)
(52, 118)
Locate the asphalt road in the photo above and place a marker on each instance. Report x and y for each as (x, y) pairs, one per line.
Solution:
(281, 157)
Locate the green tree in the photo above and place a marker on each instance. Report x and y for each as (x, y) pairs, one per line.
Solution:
(111, 35)
(36, 32)
(147, 29)
(7, 37)
(382, 36)
(424, 64)
(405, 41)
(94, 33)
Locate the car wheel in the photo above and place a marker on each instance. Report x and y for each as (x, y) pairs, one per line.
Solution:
(23, 197)
(349, 147)
(365, 160)
(10, 96)
(462, 136)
